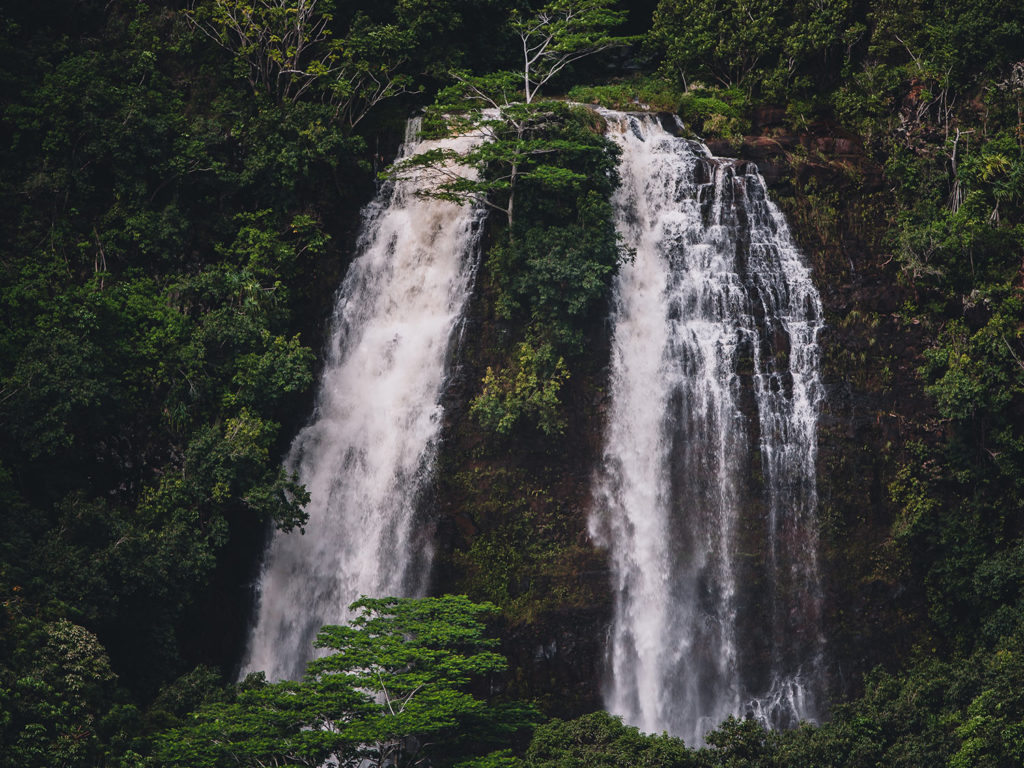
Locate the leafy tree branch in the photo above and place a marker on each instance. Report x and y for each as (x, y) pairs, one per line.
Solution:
(562, 32)
(290, 52)
(393, 690)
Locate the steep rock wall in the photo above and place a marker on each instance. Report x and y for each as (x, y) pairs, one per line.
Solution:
(511, 516)
(837, 202)
(511, 519)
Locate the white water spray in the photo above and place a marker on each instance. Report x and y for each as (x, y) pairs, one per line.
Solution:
(706, 497)
(371, 444)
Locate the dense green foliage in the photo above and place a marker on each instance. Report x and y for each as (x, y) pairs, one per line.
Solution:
(602, 741)
(172, 230)
(178, 202)
(392, 691)
(149, 356)
(795, 50)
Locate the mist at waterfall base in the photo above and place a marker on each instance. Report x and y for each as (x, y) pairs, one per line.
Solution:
(370, 445)
(705, 498)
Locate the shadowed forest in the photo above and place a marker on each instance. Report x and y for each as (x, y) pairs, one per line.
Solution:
(182, 186)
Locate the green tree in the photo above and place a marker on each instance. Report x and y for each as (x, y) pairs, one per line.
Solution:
(547, 161)
(289, 50)
(561, 32)
(56, 690)
(501, 108)
(600, 740)
(394, 691)
(740, 744)
(517, 143)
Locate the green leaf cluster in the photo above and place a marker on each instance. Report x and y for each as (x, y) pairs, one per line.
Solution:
(525, 391)
(162, 233)
(640, 91)
(56, 709)
(394, 689)
(600, 740)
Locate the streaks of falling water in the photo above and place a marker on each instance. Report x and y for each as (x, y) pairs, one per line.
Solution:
(371, 442)
(705, 497)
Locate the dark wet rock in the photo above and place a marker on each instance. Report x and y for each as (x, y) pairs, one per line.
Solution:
(671, 123)
(835, 200)
(721, 148)
(761, 147)
(767, 117)
(844, 146)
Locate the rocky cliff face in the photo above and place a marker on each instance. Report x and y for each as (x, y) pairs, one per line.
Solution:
(836, 200)
(511, 517)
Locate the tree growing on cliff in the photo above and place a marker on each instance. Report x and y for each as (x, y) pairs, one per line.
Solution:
(518, 143)
(392, 692)
(561, 32)
(544, 166)
(515, 130)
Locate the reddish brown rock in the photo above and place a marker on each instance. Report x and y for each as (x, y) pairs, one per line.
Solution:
(767, 117)
(759, 147)
(721, 148)
(847, 146)
(824, 144)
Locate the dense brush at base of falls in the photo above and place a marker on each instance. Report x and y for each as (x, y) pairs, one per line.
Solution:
(370, 445)
(706, 494)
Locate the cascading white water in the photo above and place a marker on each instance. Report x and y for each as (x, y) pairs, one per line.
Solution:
(370, 445)
(705, 497)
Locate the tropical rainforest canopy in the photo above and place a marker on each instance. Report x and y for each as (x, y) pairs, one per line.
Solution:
(181, 186)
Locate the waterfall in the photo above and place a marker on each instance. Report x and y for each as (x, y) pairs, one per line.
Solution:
(705, 497)
(370, 445)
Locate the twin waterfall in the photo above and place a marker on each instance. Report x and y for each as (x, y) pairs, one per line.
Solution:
(705, 498)
(369, 449)
(706, 495)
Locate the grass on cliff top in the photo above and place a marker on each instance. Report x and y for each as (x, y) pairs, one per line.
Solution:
(709, 112)
(638, 93)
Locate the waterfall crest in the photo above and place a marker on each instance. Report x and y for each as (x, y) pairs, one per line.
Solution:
(705, 497)
(371, 443)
